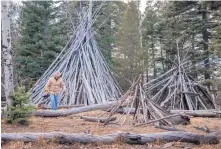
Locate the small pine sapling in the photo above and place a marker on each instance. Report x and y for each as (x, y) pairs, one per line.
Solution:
(20, 110)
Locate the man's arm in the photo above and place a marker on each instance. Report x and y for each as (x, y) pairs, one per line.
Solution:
(47, 86)
(63, 86)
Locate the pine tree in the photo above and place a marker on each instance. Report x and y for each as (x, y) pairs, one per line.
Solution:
(44, 32)
(151, 36)
(215, 45)
(105, 27)
(19, 111)
(128, 51)
(195, 20)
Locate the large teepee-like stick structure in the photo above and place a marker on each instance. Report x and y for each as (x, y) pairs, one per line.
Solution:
(85, 72)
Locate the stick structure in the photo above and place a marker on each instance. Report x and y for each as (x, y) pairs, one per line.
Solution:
(176, 89)
(85, 72)
(145, 110)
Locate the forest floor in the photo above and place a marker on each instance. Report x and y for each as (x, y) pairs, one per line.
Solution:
(73, 124)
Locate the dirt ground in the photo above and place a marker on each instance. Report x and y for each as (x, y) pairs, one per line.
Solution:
(73, 124)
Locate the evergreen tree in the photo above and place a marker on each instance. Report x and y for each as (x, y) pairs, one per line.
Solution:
(19, 111)
(195, 20)
(215, 45)
(151, 28)
(43, 34)
(128, 51)
(105, 27)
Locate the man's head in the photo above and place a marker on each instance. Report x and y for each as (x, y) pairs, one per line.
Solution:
(57, 75)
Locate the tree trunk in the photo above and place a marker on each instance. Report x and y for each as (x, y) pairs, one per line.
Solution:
(211, 138)
(205, 40)
(162, 57)
(194, 72)
(46, 27)
(153, 56)
(6, 52)
(57, 113)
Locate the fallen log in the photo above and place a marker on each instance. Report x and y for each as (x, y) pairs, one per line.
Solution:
(122, 110)
(168, 128)
(211, 138)
(66, 112)
(197, 113)
(218, 112)
(95, 119)
(153, 121)
(204, 129)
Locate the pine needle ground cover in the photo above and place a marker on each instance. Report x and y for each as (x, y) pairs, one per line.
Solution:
(73, 124)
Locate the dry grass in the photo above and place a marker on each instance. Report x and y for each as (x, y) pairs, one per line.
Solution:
(73, 124)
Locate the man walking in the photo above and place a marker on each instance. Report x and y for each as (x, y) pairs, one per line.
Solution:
(53, 87)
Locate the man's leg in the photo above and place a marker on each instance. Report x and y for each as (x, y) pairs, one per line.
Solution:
(56, 101)
(52, 97)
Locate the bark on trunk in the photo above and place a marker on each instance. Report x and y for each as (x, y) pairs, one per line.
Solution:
(212, 138)
(6, 52)
(205, 34)
(153, 56)
(194, 72)
(162, 57)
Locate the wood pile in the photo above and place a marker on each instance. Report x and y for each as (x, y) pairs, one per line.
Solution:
(145, 110)
(176, 89)
(85, 72)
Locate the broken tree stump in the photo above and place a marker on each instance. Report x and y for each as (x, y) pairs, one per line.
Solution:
(211, 138)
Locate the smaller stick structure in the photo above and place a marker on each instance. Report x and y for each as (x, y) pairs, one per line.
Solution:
(176, 89)
(145, 109)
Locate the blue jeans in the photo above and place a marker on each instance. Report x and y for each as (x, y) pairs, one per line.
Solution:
(54, 101)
